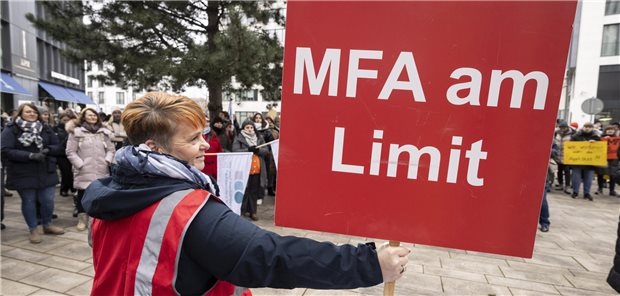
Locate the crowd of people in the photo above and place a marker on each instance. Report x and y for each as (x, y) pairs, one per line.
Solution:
(80, 148)
(571, 177)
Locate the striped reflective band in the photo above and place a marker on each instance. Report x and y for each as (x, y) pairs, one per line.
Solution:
(153, 241)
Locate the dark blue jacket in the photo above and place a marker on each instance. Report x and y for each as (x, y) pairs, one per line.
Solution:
(221, 245)
(23, 172)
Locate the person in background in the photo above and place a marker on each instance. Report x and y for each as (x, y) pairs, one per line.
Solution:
(273, 170)
(223, 135)
(64, 165)
(198, 245)
(261, 126)
(246, 141)
(210, 136)
(116, 126)
(563, 135)
(584, 173)
(90, 150)
(616, 125)
(543, 218)
(613, 142)
(230, 124)
(29, 149)
(44, 114)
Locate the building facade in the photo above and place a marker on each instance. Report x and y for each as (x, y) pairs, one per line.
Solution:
(593, 69)
(33, 70)
(107, 97)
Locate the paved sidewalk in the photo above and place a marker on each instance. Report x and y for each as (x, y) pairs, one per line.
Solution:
(573, 258)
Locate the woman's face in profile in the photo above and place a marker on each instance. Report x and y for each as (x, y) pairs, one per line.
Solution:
(188, 145)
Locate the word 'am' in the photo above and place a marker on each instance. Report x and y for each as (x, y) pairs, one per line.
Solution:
(406, 62)
(475, 154)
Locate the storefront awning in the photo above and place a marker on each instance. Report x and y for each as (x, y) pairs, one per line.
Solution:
(58, 92)
(9, 85)
(80, 96)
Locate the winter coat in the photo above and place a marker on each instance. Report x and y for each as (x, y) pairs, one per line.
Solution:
(559, 139)
(118, 130)
(581, 136)
(221, 245)
(211, 160)
(63, 136)
(23, 172)
(241, 145)
(90, 154)
(225, 137)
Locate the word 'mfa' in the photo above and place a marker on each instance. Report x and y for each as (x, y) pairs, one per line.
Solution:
(406, 62)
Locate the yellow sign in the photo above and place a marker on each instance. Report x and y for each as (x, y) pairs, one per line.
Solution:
(585, 153)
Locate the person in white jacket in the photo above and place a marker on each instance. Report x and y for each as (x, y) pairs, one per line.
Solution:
(90, 151)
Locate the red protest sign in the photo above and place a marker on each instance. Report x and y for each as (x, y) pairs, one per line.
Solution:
(424, 122)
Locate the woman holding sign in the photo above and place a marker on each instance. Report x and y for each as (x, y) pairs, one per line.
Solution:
(160, 228)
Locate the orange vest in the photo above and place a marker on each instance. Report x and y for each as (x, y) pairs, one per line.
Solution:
(138, 255)
(612, 147)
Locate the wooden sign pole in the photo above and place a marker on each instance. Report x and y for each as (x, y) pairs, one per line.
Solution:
(388, 288)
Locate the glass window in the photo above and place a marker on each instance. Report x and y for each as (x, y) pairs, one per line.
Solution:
(611, 40)
(90, 94)
(612, 7)
(100, 98)
(89, 81)
(120, 98)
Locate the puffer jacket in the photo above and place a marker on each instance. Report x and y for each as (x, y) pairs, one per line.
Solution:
(89, 153)
(559, 139)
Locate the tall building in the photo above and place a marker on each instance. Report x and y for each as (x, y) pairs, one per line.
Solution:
(107, 97)
(593, 69)
(33, 70)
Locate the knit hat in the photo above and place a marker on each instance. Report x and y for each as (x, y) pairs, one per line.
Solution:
(563, 124)
(574, 124)
(42, 109)
(247, 122)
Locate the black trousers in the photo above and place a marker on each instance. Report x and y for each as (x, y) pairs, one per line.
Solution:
(77, 200)
(564, 176)
(66, 174)
(250, 197)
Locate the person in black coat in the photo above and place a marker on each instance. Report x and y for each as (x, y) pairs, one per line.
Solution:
(29, 148)
(66, 174)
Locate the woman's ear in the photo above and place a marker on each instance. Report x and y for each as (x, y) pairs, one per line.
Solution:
(152, 145)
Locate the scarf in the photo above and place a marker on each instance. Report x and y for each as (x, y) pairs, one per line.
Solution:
(250, 138)
(31, 132)
(147, 162)
(93, 128)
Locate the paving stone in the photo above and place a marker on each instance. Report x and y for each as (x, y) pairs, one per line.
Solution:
(43, 292)
(469, 257)
(539, 277)
(83, 289)
(25, 255)
(554, 260)
(568, 291)
(471, 266)
(537, 268)
(78, 236)
(16, 269)
(275, 292)
(496, 256)
(454, 286)
(418, 281)
(591, 264)
(442, 272)
(599, 285)
(75, 250)
(64, 263)
(55, 280)
(311, 292)
(526, 285)
(521, 292)
(49, 243)
(15, 289)
(589, 275)
(88, 271)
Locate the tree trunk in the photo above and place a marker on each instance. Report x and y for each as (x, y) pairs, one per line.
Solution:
(215, 99)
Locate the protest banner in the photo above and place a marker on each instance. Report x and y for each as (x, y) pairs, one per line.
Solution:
(233, 171)
(407, 123)
(585, 153)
